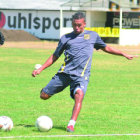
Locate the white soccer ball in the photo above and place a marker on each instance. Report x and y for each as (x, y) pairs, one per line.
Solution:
(6, 123)
(44, 123)
(37, 66)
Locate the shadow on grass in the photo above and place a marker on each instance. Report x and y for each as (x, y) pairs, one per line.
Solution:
(30, 126)
(26, 125)
(59, 127)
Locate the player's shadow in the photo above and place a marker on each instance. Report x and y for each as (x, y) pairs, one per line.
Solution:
(54, 127)
(59, 127)
(25, 125)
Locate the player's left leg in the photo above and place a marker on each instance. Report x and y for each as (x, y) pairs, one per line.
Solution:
(44, 96)
(59, 82)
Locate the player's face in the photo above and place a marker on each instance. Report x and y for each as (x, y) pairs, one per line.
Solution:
(78, 25)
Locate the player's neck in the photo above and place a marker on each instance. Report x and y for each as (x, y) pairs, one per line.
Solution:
(79, 33)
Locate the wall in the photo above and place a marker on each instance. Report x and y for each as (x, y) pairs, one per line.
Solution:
(42, 24)
(46, 24)
(98, 19)
(129, 37)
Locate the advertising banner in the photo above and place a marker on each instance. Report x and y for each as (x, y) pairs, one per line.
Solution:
(42, 24)
(130, 20)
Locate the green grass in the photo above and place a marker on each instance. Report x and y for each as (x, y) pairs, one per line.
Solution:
(111, 104)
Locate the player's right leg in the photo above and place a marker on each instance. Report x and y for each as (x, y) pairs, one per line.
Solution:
(78, 89)
(78, 97)
(57, 84)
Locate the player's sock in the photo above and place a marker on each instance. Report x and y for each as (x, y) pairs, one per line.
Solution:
(71, 122)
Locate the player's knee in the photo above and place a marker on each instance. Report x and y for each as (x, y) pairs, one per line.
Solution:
(79, 95)
(44, 96)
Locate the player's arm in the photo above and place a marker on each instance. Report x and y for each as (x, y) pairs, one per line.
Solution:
(59, 50)
(115, 51)
(2, 39)
(48, 63)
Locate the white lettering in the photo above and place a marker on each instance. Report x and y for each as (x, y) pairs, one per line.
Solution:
(136, 22)
(127, 22)
(115, 21)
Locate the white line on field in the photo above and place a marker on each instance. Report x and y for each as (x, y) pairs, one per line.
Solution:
(90, 135)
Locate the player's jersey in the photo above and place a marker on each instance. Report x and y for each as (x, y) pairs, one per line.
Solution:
(78, 50)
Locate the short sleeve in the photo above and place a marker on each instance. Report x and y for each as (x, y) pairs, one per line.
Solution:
(60, 48)
(99, 43)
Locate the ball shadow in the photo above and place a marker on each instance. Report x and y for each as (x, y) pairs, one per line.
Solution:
(30, 126)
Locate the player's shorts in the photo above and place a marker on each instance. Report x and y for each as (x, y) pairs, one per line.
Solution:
(62, 80)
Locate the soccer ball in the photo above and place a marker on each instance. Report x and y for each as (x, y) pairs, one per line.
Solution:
(6, 124)
(37, 66)
(44, 123)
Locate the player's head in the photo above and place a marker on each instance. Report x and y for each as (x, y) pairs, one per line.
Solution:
(78, 22)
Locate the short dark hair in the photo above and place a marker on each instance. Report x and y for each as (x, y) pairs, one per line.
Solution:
(79, 15)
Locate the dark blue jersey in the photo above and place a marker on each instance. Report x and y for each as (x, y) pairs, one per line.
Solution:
(78, 50)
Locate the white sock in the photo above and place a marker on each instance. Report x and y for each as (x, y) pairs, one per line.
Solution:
(71, 122)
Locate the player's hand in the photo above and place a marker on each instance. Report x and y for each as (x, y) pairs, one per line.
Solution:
(36, 72)
(130, 57)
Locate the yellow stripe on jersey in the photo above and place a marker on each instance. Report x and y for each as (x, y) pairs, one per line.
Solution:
(64, 65)
(82, 74)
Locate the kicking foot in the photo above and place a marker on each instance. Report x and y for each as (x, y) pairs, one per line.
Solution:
(70, 128)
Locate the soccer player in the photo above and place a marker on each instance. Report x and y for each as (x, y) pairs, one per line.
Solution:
(78, 47)
(2, 39)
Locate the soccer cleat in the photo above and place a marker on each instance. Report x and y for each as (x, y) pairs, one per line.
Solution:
(70, 128)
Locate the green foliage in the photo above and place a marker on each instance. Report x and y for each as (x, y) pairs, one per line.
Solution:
(111, 104)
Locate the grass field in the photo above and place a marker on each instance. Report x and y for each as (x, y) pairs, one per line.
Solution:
(111, 104)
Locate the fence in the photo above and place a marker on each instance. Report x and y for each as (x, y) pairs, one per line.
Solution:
(105, 31)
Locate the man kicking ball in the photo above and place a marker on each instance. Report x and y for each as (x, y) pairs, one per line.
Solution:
(78, 47)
